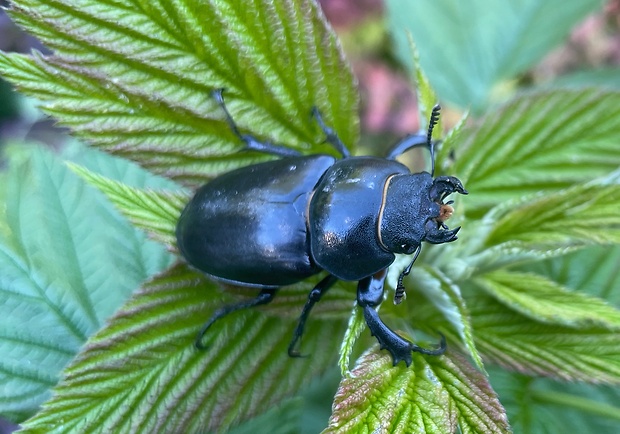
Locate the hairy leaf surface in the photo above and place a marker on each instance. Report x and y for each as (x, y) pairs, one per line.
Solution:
(435, 394)
(68, 261)
(135, 78)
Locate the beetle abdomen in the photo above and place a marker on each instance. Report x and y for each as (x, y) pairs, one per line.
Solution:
(344, 213)
(249, 225)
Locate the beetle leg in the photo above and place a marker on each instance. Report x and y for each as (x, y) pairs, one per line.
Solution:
(265, 296)
(330, 135)
(369, 296)
(314, 296)
(399, 293)
(251, 142)
(409, 142)
(419, 139)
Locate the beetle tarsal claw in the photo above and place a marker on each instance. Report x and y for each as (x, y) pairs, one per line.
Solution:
(438, 351)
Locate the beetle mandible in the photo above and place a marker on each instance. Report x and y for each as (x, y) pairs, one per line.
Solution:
(276, 223)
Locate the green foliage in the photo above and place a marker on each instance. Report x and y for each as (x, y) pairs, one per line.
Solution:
(436, 394)
(539, 405)
(531, 285)
(602, 77)
(155, 212)
(541, 142)
(8, 108)
(472, 47)
(63, 274)
(548, 302)
(445, 295)
(135, 79)
(149, 342)
(552, 349)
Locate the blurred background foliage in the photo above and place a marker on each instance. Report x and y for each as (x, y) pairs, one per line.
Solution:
(473, 60)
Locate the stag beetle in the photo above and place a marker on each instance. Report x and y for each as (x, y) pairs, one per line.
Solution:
(276, 223)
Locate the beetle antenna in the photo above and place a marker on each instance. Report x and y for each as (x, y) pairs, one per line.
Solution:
(399, 293)
(431, 125)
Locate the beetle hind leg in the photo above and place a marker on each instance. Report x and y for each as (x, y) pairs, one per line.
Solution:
(369, 296)
(265, 296)
(314, 296)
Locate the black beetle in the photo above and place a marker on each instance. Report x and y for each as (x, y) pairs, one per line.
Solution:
(276, 223)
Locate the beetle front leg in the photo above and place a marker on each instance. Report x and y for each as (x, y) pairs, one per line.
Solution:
(407, 143)
(419, 139)
(369, 296)
(314, 296)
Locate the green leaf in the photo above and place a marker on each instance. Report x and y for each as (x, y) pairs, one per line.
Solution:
(356, 326)
(477, 405)
(156, 212)
(135, 79)
(148, 344)
(433, 395)
(426, 94)
(519, 343)
(468, 49)
(379, 397)
(9, 108)
(592, 269)
(602, 77)
(283, 419)
(444, 153)
(63, 271)
(539, 405)
(584, 214)
(544, 300)
(446, 296)
(538, 142)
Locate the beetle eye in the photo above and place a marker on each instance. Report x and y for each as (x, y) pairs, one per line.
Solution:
(407, 249)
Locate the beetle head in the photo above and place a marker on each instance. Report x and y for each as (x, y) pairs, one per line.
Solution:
(437, 231)
(414, 211)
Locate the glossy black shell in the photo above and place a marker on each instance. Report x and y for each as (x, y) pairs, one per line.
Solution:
(249, 226)
(345, 212)
(276, 223)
